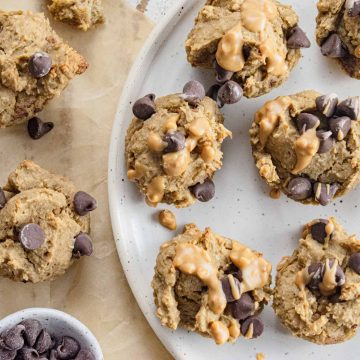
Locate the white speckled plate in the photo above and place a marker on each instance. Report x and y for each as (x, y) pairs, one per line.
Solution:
(241, 209)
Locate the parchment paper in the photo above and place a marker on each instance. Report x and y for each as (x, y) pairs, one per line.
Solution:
(95, 289)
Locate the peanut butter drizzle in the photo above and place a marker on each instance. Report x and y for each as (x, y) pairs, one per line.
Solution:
(306, 146)
(156, 143)
(255, 269)
(255, 17)
(328, 284)
(329, 228)
(301, 280)
(194, 260)
(234, 289)
(250, 332)
(219, 332)
(155, 191)
(269, 116)
(137, 173)
(171, 122)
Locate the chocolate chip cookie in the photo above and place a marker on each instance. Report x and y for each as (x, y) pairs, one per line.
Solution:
(255, 43)
(44, 224)
(212, 285)
(173, 146)
(338, 33)
(36, 65)
(307, 145)
(317, 293)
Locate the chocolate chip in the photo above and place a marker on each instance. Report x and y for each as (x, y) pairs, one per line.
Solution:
(339, 274)
(354, 262)
(205, 191)
(13, 338)
(193, 92)
(318, 231)
(326, 104)
(40, 64)
(299, 188)
(68, 348)
(144, 107)
(349, 107)
(32, 330)
(2, 198)
(82, 246)
(84, 203)
(258, 327)
(222, 75)
(327, 142)
(352, 7)
(27, 353)
(335, 298)
(7, 354)
(37, 128)
(227, 289)
(31, 236)
(306, 121)
(242, 308)
(340, 127)
(234, 271)
(53, 355)
(316, 273)
(212, 93)
(44, 342)
(324, 193)
(85, 354)
(246, 51)
(297, 39)
(230, 93)
(333, 47)
(175, 141)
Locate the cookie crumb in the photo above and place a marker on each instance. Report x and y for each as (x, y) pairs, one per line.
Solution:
(275, 193)
(260, 356)
(167, 219)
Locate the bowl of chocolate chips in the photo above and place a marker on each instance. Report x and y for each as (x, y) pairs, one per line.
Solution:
(46, 334)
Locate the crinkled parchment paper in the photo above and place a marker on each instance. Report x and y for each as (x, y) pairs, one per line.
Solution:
(95, 289)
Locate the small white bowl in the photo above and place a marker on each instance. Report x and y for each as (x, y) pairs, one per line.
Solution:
(57, 323)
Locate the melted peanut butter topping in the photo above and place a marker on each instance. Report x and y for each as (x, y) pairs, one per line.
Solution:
(171, 122)
(250, 332)
(328, 284)
(219, 332)
(193, 260)
(156, 188)
(269, 116)
(156, 143)
(255, 269)
(234, 289)
(329, 228)
(306, 146)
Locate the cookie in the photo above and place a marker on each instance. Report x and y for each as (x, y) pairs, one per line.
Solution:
(255, 43)
(307, 145)
(44, 224)
(317, 293)
(36, 65)
(211, 285)
(338, 33)
(82, 14)
(173, 146)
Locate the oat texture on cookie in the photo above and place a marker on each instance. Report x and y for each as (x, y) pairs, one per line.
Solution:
(211, 285)
(317, 288)
(307, 145)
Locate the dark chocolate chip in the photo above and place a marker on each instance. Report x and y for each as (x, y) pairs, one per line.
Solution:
(37, 128)
(352, 7)
(205, 191)
(258, 327)
(335, 298)
(354, 262)
(6, 354)
(316, 273)
(306, 121)
(318, 231)
(326, 141)
(68, 348)
(212, 93)
(230, 93)
(40, 64)
(84, 203)
(339, 274)
(234, 271)
(324, 193)
(299, 188)
(340, 127)
(227, 289)
(53, 355)
(333, 47)
(246, 51)
(193, 92)
(27, 353)
(13, 339)
(297, 39)
(175, 142)
(31, 236)
(326, 104)
(82, 246)
(222, 75)
(32, 330)
(85, 354)
(144, 107)
(44, 342)
(349, 107)
(242, 308)
(2, 198)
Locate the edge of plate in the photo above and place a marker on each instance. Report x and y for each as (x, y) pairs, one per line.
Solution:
(143, 60)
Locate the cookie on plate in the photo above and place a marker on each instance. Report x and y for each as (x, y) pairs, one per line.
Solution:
(212, 285)
(317, 293)
(36, 65)
(253, 42)
(83, 14)
(173, 146)
(338, 33)
(44, 224)
(307, 145)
